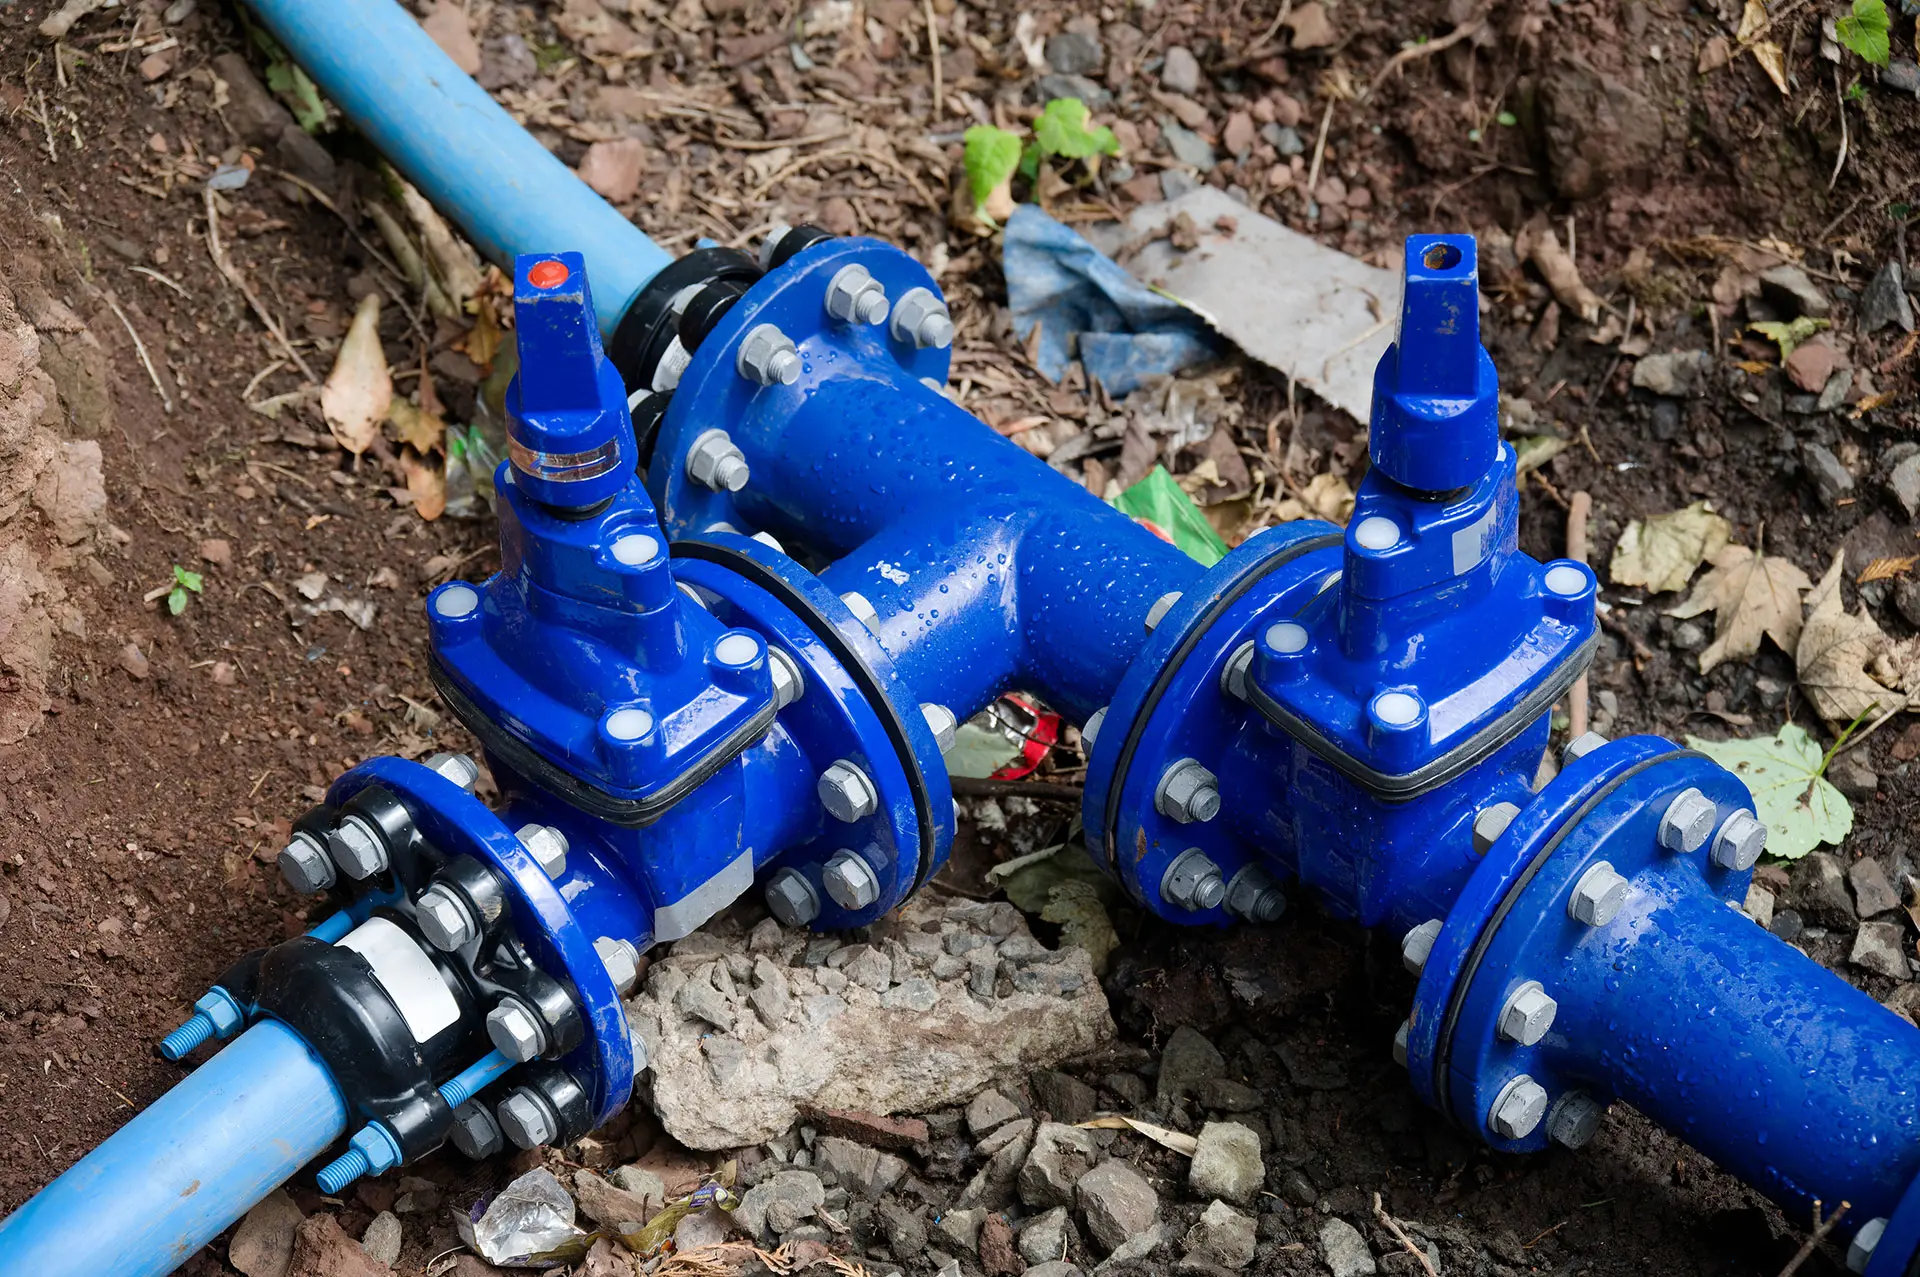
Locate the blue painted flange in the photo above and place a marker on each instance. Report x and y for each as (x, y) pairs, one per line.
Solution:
(1898, 1254)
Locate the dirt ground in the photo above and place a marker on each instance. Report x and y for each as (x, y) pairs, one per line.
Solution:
(145, 809)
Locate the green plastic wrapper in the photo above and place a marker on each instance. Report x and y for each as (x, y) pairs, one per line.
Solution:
(1158, 502)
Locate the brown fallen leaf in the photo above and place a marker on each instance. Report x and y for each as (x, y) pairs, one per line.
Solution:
(1326, 496)
(1178, 1141)
(426, 484)
(1847, 665)
(1885, 569)
(1750, 596)
(1662, 552)
(416, 427)
(1538, 244)
(1772, 59)
(359, 390)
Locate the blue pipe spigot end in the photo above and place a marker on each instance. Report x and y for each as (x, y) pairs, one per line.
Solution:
(569, 435)
(371, 1151)
(215, 1015)
(1436, 396)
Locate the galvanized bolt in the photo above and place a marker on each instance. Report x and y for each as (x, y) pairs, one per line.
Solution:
(769, 540)
(621, 960)
(768, 357)
(475, 1133)
(1688, 821)
(922, 319)
(941, 722)
(1193, 882)
(458, 768)
(638, 1045)
(673, 362)
(792, 898)
(1490, 824)
(357, 848)
(1090, 730)
(1401, 1036)
(1575, 1119)
(1161, 606)
(1865, 1242)
(1740, 841)
(1233, 678)
(1528, 1014)
(1187, 792)
(854, 296)
(850, 881)
(526, 1120)
(514, 1031)
(1254, 895)
(847, 792)
(444, 918)
(771, 244)
(547, 845)
(1598, 896)
(788, 682)
(1580, 746)
(714, 462)
(1417, 945)
(863, 611)
(305, 864)
(1518, 1108)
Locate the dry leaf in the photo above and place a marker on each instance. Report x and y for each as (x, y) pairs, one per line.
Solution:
(454, 265)
(1178, 1141)
(418, 428)
(482, 341)
(426, 484)
(1847, 666)
(359, 390)
(1662, 553)
(1772, 60)
(1750, 595)
(1326, 496)
(1885, 569)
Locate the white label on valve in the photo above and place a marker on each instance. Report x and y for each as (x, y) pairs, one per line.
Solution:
(1473, 543)
(407, 974)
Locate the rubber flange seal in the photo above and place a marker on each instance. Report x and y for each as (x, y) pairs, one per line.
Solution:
(649, 326)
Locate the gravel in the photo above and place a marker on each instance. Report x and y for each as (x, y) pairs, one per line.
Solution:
(1227, 1163)
(1117, 1203)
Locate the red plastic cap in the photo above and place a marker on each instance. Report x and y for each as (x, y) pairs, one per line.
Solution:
(547, 274)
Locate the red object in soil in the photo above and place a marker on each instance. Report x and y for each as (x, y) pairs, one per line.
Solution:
(1040, 738)
(547, 274)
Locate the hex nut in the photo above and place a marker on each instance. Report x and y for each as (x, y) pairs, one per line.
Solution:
(621, 960)
(475, 1133)
(713, 461)
(1865, 1242)
(1581, 746)
(1490, 824)
(514, 1031)
(854, 296)
(921, 320)
(1417, 945)
(771, 244)
(526, 1120)
(768, 357)
(1528, 1014)
(1688, 821)
(1740, 841)
(1193, 882)
(1518, 1109)
(850, 881)
(458, 768)
(641, 1056)
(1401, 1037)
(1090, 730)
(1575, 1119)
(1233, 678)
(941, 722)
(305, 864)
(863, 610)
(792, 898)
(847, 792)
(444, 918)
(357, 848)
(1253, 894)
(1187, 792)
(1597, 896)
(1161, 606)
(547, 845)
(789, 684)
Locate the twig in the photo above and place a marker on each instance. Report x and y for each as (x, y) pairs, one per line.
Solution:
(232, 273)
(1840, 161)
(1286, 11)
(1579, 507)
(321, 198)
(933, 52)
(150, 273)
(1386, 1221)
(972, 787)
(1818, 1235)
(1465, 31)
(1319, 150)
(140, 348)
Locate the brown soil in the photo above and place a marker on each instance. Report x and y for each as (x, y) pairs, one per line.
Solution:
(146, 809)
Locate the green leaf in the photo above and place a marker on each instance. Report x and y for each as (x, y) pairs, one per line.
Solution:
(176, 601)
(293, 87)
(1167, 510)
(192, 580)
(992, 155)
(1062, 131)
(1800, 808)
(1507, 119)
(1868, 31)
(1788, 336)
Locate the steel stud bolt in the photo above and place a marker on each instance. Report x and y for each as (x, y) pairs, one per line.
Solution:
(1598, 896)
(1233, 678)
(850, 881)
(444, 918)
(1187, 793)
(1581, 746)
(922, 320)
(526, 1119)
(306, 866)
(458, 768)
(1254, 895)
(547, 845)
(1490, 824)
(854, 296)
(1687, 822)
(1518, 1109)
(792, 898)
(941, 722)
(1528, 1014)
(514, 1031)
(1193, 882)
(1417, 945)
(1740, 841)
(475, 1133)
(788, 682)
(621, 960)
(357, 848)
(714, 462)
(1574, 1119)
(847, 793)
(768, 357)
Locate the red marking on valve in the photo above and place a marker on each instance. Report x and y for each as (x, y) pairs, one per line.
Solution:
(547, 274)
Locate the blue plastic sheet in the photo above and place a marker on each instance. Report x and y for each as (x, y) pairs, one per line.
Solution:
(1084, 302)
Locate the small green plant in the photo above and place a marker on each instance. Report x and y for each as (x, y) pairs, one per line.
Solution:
(289, 83)
(1789, 335)
(183, 581)
(1867, 31)
(1855, 91)
(992, 158)
(1062, 133)
(993, 155)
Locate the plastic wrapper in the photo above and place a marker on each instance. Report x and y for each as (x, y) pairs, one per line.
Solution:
(528, 1224)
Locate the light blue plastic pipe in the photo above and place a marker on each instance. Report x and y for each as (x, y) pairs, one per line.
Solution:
(455, 143)
(173, 1178)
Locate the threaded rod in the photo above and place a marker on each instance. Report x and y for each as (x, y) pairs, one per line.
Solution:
(189, 1035)
(342, 1171)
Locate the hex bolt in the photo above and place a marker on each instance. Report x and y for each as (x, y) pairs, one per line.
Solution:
(941, 722)
(1687, 822)
(850, 881)
(1598, 896)
(475, 1133)
(922, 320)
(514, 1031)
(1193, 882)
(357, 848)
(1574, 1119)
(768, 357)
(847, 792)
(863, 611)
(1254, 895)
(1233, 678)
(854, 296)
(526, 1119)
(1161, 606)
(1401, 1036)
(1489, 824)
(444, 918)
(547, 845)
(1518, 1108)
(1417, 945)
(1528, 1014)
(1187, 793)
(305, 864)
(771, 244)
(792, 898)
(1090, 730)
(638, 1045)
(714, 462)
(1740, 841)
(1580, 746)
(621, 960)
(458, 768)
(788, 681)
(1865, 1242)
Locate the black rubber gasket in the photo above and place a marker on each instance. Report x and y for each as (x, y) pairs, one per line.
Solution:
(650, 325)
(864, 678)
(1196, 630)
(1470, 968)
(628, 813)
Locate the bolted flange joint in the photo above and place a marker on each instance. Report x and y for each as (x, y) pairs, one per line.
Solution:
(1255, 896)
(622, 961)
(1518, 1109)
(1528, 1014)
(357, 848)
(305, 864)
(1740, 841)
(475, 1133)
(515, 1031)
(527, 1119)
(1575, 1119)
(547, 845)
(444, 918)
(1489, 824)
(768, 357)
(1417, 945)
(1598, 896)
(847, 793)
